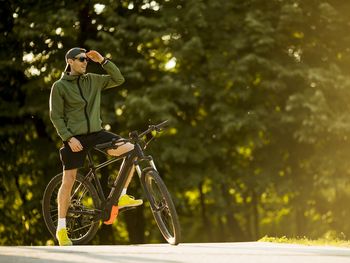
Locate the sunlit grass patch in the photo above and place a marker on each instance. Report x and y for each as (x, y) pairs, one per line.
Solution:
(326, 241)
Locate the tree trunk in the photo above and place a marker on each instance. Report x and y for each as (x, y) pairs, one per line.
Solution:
(235, 233)
(135, 224)
(206, 225)
(255, 203)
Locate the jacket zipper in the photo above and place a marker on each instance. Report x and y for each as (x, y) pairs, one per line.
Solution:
(85, 108)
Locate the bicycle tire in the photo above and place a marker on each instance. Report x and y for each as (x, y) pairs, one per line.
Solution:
(162, 206)
(88, 196)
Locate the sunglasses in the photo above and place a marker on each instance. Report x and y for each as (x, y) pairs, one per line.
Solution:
(82, 59)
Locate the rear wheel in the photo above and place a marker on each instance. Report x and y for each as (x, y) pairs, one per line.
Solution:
(162, 206)
(81, 223)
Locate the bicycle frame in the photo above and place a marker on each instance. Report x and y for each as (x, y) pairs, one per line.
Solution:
(134, 157)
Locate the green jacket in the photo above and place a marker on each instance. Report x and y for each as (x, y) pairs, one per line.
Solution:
(75, 108)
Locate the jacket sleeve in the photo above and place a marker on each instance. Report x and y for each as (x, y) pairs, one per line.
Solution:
(113, 79)
(57, 113)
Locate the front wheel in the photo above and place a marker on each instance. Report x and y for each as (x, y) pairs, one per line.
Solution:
(84, 204)
(162, 205)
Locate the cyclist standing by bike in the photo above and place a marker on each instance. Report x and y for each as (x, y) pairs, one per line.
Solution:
(75, 113)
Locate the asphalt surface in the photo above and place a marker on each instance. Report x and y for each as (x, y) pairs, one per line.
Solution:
(247, 252)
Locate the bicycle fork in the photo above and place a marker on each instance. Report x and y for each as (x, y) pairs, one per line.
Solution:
(151, 164)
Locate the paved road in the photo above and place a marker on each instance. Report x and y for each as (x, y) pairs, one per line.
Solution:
(249, 252)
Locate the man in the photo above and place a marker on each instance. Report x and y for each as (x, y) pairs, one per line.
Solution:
(75, 113)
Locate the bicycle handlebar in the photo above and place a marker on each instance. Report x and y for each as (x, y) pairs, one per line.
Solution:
(159, 127)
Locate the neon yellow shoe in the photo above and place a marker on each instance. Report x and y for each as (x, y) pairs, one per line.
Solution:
(62, 237)
(128, 201)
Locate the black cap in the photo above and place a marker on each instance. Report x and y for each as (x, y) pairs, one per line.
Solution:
(72, 53)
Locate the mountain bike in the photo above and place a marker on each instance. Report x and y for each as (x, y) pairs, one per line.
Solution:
(89, 206)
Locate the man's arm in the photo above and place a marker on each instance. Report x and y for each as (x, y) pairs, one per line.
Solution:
(57, 113)
(114, 77)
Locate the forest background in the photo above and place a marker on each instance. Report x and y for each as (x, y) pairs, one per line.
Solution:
(257, 94)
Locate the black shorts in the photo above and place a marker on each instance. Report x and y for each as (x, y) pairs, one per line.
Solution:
(73, 160)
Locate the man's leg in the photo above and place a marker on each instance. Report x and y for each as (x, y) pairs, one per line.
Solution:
(63, 199)
(125, 200)
(123, 148)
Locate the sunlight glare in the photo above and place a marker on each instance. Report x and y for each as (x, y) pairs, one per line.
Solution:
(170, 64)
(99, 8)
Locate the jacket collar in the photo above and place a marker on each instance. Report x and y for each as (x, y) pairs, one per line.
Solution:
(67, 76)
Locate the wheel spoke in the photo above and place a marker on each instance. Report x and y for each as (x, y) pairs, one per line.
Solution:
(56, 220)
(78, 229)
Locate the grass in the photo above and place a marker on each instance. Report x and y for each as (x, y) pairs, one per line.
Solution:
(327, 241)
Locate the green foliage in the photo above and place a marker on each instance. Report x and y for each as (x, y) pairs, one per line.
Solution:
(256, 92)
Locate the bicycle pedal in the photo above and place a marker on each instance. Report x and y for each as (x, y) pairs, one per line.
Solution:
(113, 215)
